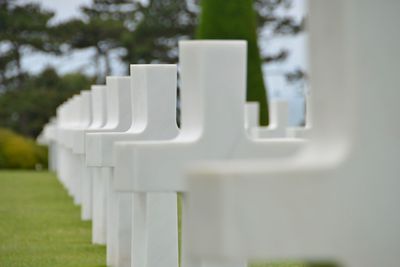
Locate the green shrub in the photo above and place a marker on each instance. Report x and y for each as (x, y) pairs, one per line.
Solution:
(18, 152)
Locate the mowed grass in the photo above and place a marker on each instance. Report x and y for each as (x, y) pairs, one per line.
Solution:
(40, 226)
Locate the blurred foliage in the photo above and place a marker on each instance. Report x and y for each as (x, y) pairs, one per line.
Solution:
(156, 34)
(143, 33)
(102, 27)
(272, 22)
(18, 152)
(22, 27)
(27, 109)
(236, 20)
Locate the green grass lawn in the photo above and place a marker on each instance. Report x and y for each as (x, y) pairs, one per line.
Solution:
(40, 226)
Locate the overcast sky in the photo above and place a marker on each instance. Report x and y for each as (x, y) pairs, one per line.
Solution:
(65, 9)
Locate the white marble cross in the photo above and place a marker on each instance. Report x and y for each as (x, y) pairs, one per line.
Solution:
(48, 137)
(252, 117)
(61, 121)
(119, 119)
(337, 200)
(52, 134)
(83, 119)
(278, 122)
(213, 75)
(116, 118)
(154, 118)
(96, 109)
(68, 114)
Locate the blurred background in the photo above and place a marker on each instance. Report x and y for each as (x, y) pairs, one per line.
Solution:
(52, 49)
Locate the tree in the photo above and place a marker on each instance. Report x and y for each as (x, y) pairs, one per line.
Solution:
(236, 20)
(272, 24)
(155, 35)
(7, 63)
(27, 110)
(101, 28)
(22, 28)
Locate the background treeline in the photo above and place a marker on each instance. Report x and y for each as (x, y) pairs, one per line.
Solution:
(126, 31)
(130, 30)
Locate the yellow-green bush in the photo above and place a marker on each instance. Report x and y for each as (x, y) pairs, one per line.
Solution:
(18, 152)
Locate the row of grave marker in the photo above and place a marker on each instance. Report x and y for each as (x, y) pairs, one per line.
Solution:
(329, 192)
(138, 221)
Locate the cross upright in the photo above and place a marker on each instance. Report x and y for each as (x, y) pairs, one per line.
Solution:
(83, 120)
(61, 121)
(252, 116)
(90, 176)
(117, 118)
(153, 118)
(278, 122)
(48, 137)
(97, 110)
(60, 148)
(68, 113)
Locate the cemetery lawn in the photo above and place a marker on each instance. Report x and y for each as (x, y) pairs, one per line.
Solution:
(40, 226)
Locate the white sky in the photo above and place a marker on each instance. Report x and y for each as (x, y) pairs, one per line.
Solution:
(65, 9)
(277, 86)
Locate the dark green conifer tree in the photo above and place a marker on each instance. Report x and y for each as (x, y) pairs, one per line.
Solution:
(221, 19)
